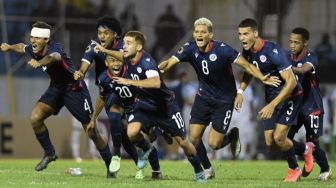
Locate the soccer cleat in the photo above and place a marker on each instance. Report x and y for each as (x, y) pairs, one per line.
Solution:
(111, 175)
(293, 175)
(200, 177)
(115, 164)
(309, 160)
(45, 161)
(157, 175)
(209, 173)
(139, 175)
(143, 158)
(324, 176)
(235, 142)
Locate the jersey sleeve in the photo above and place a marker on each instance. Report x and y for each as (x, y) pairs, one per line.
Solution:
(279, 59)
(311, 60)
(103, 90)
(183, 54)
(228, 53)
(88, 56)
(151, 70)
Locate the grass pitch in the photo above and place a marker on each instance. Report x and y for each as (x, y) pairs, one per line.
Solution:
(21, 173)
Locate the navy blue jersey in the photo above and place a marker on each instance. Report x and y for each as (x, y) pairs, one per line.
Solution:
(312, 98)
(124, 93)
(99, 58)
(140, 70)
(271, 59)
(59, 72)
(213, 69)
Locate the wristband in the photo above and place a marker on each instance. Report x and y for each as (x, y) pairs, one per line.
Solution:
(240, 91)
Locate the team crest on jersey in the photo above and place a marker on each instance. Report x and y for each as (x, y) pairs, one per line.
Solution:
(299, 65)
(263, 58)
(139, 69)
(213, 57)
(88, 49)
(180, 50)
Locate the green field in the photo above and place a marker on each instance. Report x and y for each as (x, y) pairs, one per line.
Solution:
(20, 173)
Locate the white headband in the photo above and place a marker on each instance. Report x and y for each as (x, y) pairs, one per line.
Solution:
(40, 32)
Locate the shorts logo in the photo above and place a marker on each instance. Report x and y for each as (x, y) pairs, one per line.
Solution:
(263, 58)
(130, 118)
(180, 50)
(213, 57)
(139, 69)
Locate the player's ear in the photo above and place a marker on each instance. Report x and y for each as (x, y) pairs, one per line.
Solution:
(139, 47)
(256, 33)
(211, 35)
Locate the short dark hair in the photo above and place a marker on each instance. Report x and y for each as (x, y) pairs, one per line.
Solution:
(41, 24)
(110, 22)
(139, 37)
(249, 22)
(301, 31)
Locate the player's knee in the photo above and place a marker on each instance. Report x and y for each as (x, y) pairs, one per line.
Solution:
(36, 120)
(279, 140)
(215, 144)
(194, 140)
(132, 133)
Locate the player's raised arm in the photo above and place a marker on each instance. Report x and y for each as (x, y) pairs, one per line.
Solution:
(116, 54)
(167, 64)
(304, 69)
(18, 48)
(254, 71)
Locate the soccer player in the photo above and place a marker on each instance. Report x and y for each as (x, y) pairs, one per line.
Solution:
(62, 91)
(108, 30)
(304, 65)
(120, 96)
(155, 104)
(283, 102)
(214, 101)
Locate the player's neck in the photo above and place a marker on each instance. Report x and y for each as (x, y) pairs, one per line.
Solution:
(207, 47)
(136, 58)
(44, 51)
(300, 55)
(258, 44)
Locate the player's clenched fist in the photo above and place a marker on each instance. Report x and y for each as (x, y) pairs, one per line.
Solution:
(33, 63)
(4, 47)
(78, 75)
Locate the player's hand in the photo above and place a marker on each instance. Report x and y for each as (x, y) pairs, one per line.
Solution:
(4, 47)
(238, 102)
(91, 125)
(33, 63)
(162, 66)
(267, 111)
(78, 75)
(122, 81)
(271, 80)
(98, 47)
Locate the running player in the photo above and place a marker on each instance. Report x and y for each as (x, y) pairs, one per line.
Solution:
(214, 101)
(305, 65)
(62, 91)
(283, 102)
